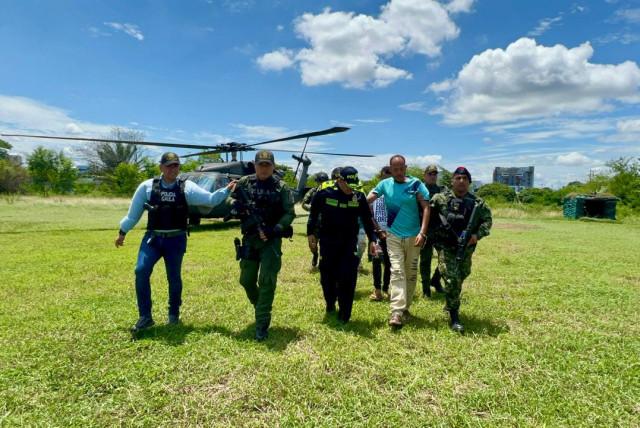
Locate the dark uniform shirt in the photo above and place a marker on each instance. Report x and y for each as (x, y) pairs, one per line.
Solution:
(340, 213)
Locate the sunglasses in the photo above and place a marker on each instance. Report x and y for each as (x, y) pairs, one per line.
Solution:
(432, 173)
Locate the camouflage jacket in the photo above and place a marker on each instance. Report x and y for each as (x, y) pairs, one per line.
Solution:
(308, 198)
(446, 205)
(271, 198)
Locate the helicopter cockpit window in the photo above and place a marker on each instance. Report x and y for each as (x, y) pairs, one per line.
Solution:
(221, 181)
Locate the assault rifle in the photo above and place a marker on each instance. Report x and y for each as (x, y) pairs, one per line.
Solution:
(252, 219)
(464, 237)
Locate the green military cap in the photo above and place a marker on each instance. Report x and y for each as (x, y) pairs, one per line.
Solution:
(431, 168)
(169, 158)
(265, 156)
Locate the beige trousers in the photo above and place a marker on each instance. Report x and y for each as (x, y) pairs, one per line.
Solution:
(404, 271)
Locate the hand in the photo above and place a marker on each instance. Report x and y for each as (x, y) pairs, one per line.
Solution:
(473, 240)
(420, 240)
(263, 235)
(381, 234)
(313, 243)
(372, 249)
(120, 240)
(232, 185)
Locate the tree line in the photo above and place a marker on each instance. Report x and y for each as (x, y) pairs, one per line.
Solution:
(112, 168)
(118, 168)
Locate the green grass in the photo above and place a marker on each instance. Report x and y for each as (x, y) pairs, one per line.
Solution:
(551, 311)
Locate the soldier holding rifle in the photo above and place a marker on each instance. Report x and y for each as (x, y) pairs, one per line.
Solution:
(264, 205)
(463, 219)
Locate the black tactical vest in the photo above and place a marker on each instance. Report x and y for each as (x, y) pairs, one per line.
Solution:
(459, 213)
(267, 198)
(169, 208)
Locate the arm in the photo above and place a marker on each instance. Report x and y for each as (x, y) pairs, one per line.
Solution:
(196, 195)
(312, 222)
(308, 199)
(486, 221)
(368, 222)
(287, 207)
(423, 197)
(128, 222)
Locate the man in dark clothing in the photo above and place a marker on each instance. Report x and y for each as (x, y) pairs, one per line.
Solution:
(340, 207)
(426, 253)
(265, 207)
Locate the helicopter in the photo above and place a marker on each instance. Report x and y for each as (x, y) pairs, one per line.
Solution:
(213, 176)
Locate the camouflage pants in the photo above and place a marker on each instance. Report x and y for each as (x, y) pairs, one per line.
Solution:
(454, 274)
(259, 275)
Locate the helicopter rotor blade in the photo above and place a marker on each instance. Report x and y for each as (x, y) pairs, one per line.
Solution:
(333, 130)
(106, 140)
(324, 153)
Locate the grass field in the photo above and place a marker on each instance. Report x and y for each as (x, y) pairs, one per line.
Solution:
(551, 312)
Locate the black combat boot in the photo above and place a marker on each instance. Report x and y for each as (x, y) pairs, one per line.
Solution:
(455, 322)
(262, 332)
(435, 282)
(426, 290)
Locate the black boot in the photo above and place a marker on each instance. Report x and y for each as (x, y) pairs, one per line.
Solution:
(435, 282)
(262, 329)
(455, 322)
(426, 290)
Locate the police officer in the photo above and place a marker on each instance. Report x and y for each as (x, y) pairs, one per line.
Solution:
(320, 178)
(167, 199)
(341, 206)
(455, 210)
(266, 210)
(426, 253)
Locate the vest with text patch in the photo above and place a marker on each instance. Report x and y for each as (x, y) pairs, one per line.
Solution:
(168, 207)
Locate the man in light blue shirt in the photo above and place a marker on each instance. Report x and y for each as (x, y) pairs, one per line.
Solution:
(405, 199)
(167, 200)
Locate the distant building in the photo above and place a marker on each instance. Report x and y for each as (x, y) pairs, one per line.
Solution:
(517, 178)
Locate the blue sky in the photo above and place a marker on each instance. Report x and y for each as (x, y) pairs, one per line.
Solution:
(554, 84)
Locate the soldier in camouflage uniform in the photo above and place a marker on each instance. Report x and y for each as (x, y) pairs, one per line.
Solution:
(263, 226)
(454, 208)
(319, 178)
(426, 253)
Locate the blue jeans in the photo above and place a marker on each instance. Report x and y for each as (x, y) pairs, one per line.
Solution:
(152, 249)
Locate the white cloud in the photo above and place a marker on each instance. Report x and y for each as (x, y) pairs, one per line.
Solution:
(262, 132)
(624, 37)
(276, 60)
(544, 25)
(527, 80)
(416, 106)
(96, 32)
(129, 29)
(373, 120)
(631, 16)
(573, 159)
(457, 6)
(632, 125)
(280, 27)
(628, 131)
(353, 50)
(19, 115)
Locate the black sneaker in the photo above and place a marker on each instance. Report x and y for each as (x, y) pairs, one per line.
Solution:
(173, 319)
(142, 323)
